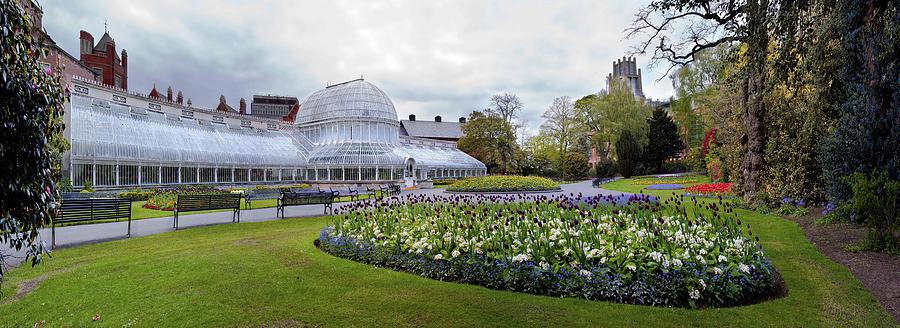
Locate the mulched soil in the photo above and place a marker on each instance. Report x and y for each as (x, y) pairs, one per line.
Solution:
(878, 272)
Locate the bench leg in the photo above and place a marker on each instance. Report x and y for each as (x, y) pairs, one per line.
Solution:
(129, 227)
(175, 221)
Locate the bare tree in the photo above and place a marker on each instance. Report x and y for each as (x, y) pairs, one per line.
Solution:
(507, 106)
(560, 122)
(706, 24)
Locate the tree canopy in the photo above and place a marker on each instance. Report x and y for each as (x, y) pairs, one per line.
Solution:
(31, 109)
(490, 139)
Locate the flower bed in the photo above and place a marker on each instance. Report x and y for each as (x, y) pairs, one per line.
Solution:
(503, 183)
(710, 189)
(643, 253)
(164, 199)
(679, 180)
(665, 186)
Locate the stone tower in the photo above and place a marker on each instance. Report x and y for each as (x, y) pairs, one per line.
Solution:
(626, 69)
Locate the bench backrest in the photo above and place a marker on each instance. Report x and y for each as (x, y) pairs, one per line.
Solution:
(76, 195)
(294, 198)
(76, 210)
(207, 202)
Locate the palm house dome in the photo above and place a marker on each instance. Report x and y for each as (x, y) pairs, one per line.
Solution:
(351, 99)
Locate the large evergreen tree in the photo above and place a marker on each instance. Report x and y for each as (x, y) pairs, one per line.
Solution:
(663, 141)
(628, 152)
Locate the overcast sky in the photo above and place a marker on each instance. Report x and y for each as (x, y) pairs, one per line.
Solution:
(431, 57)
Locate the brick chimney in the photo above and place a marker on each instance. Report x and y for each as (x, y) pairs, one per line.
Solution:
(412, 117)
(437, 118)
(243, 106)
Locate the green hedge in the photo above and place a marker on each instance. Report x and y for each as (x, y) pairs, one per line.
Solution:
(499, 183)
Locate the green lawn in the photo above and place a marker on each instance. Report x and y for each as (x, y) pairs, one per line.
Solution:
(269, 273)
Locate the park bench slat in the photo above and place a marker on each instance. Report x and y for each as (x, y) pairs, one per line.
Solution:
(288, 198)
(190, 203)
(91, 209)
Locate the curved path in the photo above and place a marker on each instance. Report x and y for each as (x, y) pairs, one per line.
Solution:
(100, 232)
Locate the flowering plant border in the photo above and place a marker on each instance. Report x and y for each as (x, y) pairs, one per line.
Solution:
(592, 282)
(657, 281)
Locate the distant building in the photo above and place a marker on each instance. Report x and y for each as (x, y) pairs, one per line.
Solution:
(273, 107)
(58, 60)
(103, 59)
(626, 69)
(225, 108)
(665, 104)
(154, 94)
(435, 130)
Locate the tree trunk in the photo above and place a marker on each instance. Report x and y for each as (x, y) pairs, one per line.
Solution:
(754, 107)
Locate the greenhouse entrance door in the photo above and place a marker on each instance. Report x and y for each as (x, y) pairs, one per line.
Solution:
(409, 173)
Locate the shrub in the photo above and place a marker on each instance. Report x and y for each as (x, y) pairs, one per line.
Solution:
(714, 169)
(498, 183)
(628, 152)
(605, 168)
(136, 194)
(574, 166)
(87, 187)
(875, 203)
(31, 109)
(164, 198)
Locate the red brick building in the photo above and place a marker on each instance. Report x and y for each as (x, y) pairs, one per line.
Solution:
(103, 59)
(58, 60)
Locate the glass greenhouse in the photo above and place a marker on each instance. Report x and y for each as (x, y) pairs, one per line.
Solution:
(345, 133)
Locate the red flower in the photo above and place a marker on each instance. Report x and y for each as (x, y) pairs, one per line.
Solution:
(710, 188)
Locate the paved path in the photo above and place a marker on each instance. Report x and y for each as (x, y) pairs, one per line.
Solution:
(94, 233)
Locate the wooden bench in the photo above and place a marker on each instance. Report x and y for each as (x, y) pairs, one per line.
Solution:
(190, 203)
(91, 209)
(304, 198)
(261, 194)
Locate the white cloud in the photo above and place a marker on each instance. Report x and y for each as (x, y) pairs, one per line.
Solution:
(432, 57)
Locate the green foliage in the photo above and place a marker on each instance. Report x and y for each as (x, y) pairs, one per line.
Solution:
(608, 114)
(136, 194)
(560, 124)
(31, 109)
(65, 184)
(490, 139)
(628, 152)
(663, 141)
(605, 168)
(876, 203)
(87, 187)
(867, 135)
(496, 183)
(574, 167)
